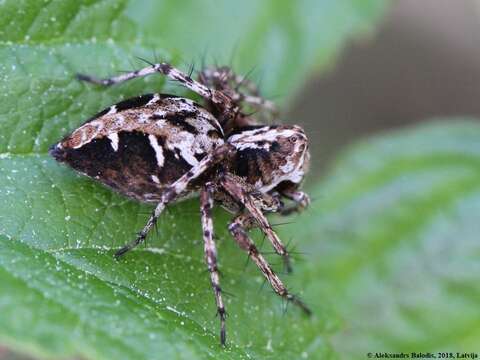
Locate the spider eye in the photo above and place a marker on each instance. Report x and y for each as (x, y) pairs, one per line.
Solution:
(293, 139)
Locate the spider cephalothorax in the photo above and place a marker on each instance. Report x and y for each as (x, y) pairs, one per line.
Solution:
(159, 148)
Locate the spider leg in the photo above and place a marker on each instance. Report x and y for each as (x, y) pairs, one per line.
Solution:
(244, 81)
(171, 192)
(238, 231)
(206, 204)
(253, 98)
(240, 194)
(261, 103)
(301, 201)
(216, 97)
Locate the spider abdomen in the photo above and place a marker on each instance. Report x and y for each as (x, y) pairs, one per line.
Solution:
(141, 145)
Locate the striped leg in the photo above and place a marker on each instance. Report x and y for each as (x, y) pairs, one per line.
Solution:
(261, 103)
(237, 229)
(206, 204)
(173, 191)
(301, 201)
(216, 97)
(238, 192)
(227, 78)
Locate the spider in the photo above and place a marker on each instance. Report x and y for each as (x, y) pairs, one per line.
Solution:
(159, 148)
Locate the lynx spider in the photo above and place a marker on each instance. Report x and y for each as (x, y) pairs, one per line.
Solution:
(158, 148)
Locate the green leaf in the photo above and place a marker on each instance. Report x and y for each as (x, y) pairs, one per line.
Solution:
(61, 292)
(394, 238)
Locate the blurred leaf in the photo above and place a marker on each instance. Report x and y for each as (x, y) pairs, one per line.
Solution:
(395, 229)
(280, 41)
(62, 294)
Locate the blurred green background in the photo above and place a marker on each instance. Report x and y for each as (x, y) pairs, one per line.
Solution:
(422, 63)
(388, 255)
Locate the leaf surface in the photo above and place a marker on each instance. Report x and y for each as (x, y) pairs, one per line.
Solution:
(394, 242)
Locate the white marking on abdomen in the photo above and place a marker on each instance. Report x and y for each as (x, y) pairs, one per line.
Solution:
(155, 179)
(158, 150)
(112, 110)
(119, 121)
(154, 99)
(114, 140)
(187, 155)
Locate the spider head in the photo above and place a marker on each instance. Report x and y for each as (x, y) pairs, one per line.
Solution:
(292, 152)
(269, 155)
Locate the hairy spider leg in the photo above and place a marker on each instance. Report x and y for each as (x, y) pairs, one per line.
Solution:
(261, 103)
(206, 204)
(237, 229)
(171, 192)
(244, 81)
(301, 201)
(221, 100)
(254, 99)
(239, 193)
